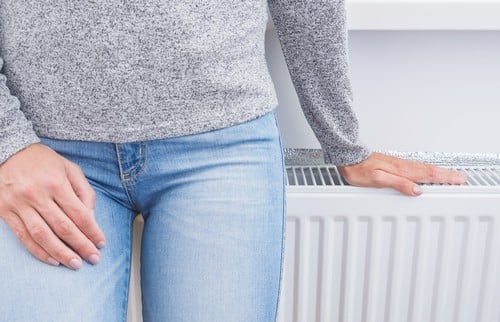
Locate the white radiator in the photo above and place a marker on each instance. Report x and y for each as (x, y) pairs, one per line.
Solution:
(367, 255)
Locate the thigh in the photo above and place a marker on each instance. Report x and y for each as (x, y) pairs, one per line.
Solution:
(212, 245)
(34, 291)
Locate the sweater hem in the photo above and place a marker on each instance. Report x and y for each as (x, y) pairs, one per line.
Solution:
(155, 132)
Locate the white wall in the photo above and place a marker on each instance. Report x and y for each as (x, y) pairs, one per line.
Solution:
(413, 90)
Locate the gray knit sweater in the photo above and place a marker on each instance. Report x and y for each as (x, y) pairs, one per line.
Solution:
(130, 70)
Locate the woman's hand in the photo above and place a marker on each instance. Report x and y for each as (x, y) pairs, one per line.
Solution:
(382, 171)
(48, 203)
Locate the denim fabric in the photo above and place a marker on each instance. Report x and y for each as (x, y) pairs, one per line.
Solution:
(212, 247)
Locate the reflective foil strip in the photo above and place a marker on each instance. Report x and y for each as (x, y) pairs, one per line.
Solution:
(315, 157)
(304, 157)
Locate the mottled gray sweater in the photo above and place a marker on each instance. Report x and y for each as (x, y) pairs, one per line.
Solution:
(130, 70)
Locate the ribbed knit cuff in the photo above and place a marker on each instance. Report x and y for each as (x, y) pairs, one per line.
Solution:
(351, 156)
(15, 142)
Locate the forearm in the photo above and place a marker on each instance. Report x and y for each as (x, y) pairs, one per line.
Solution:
(16, 131)
(313, 38)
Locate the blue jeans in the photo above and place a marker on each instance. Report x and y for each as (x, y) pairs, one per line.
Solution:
(212, 247)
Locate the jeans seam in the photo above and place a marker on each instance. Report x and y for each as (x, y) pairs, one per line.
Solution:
(128, 271)
(283, 226)
(139, 167)
(125, 182)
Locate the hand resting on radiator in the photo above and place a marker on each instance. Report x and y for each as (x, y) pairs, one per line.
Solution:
(382, 171)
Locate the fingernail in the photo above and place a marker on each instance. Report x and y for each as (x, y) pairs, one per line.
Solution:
(52, 261)
(417, 189)
(75, 264)
(94, 259)
(101, 244)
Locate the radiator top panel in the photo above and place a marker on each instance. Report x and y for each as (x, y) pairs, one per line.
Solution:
(329, 176)
(306, 167)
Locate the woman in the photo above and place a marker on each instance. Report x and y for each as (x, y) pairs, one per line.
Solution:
(165, 108)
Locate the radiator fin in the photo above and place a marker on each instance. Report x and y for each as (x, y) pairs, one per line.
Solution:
(391, 268)
(330, 176)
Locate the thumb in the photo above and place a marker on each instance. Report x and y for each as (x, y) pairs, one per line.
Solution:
(401, 184)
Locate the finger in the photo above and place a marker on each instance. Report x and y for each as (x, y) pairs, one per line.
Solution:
(420, 172)
(45, 238)
(68, 232)
(80, 184)
(434, 174)
(22, 234)
(81, 216)
(382, 179)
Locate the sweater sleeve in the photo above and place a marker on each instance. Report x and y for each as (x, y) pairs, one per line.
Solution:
(16, 131)
(313, 37)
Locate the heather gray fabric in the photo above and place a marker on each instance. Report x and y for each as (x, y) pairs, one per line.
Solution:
(122, 71)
